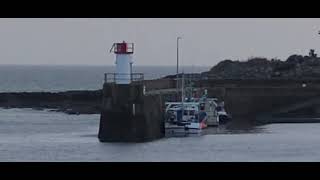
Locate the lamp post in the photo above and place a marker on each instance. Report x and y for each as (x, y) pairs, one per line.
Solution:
(178, 38)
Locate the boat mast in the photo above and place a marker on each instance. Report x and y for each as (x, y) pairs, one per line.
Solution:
(182, 87)
(182, 93)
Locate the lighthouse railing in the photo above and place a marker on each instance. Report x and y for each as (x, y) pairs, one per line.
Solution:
(114, 77)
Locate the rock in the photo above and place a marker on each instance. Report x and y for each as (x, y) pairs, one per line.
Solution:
(295, 66)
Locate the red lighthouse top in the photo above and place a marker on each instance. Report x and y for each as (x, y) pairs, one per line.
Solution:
(122, 48)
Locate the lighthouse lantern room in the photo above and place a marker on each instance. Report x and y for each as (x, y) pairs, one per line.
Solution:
(123, 62)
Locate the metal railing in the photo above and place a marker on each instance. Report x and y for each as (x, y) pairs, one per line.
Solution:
(114, 77)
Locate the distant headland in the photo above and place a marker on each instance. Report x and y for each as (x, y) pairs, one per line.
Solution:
(294, 67)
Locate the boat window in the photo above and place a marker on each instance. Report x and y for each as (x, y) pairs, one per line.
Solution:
(192, 113)
(201, 106)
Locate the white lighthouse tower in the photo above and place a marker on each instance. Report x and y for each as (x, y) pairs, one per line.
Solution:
(123, 62)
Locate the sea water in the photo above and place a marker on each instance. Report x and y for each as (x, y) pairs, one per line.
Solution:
(31, 135)
(19, 78)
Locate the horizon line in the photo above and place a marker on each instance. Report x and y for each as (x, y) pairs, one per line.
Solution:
(98, 65)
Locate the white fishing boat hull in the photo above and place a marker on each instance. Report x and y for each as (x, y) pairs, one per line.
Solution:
(184, 130)
(175, 130)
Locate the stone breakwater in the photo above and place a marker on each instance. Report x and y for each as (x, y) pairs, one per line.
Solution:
(70, 102)
(244, 99)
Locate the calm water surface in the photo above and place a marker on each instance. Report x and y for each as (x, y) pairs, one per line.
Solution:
(30, 135)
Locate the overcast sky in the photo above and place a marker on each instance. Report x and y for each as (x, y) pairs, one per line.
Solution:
(205, 41)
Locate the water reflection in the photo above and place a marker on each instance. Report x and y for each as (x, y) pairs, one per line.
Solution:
(236, 126)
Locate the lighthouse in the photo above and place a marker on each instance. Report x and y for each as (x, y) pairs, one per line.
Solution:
(127, 113)
(124, 53)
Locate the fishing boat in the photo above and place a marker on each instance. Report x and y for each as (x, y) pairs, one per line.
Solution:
(191, 115)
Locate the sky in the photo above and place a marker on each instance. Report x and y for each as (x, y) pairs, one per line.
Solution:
(205, 42)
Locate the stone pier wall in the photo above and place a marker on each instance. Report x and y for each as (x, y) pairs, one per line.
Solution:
(252, 97)
(130, 116)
